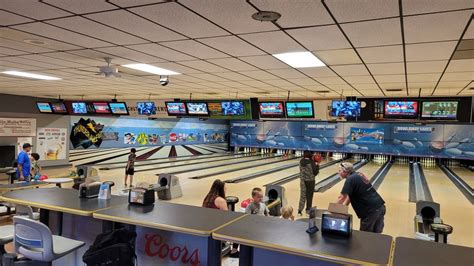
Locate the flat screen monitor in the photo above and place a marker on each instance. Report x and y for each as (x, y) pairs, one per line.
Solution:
(401, 109)
(79, 108)
(58, 108)
(345, 108)
(118, 108)
(197, 108)
(146, 108)
(101, 108)
(271, 109)
(439, 110)
(176, 108)
(299, 109)
(232, 108)
(44, 107)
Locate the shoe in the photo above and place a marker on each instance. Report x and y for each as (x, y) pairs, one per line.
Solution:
(300, 213)
(234, 255)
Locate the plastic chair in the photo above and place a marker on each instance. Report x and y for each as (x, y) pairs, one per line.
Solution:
(35, 241)
(23, 210)
(6, 236)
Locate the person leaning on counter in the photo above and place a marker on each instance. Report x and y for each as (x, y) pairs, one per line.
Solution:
(367, 203)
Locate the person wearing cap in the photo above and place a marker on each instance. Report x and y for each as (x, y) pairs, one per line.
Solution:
(367, 203)
(308, 171)
(24, 163)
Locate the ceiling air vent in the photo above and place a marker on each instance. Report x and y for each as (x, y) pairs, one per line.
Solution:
(322, 91)
(392, 90)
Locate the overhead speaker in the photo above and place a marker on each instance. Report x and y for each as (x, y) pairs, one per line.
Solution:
(254, 108)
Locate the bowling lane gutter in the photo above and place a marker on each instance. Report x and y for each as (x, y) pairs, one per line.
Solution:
(236, 169)
(333, 179)
(194, 163)
(379, 176)
(466, 190)
(290, 178)
(418, 186)
(167, 160)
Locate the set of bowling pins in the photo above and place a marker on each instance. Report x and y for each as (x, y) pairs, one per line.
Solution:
(338, 156)
(265, 150)
(298, 153)
(402, 160)
(282, 152)
(428, 162)
(381, 159)
(452, 163)
(359, 157)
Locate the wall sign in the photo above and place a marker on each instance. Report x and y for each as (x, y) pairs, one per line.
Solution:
(17, 127)
(51, 143)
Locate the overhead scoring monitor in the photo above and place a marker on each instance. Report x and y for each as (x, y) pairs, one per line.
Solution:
(118, 108)
(299, 109)
(232, 108)
(197, 108)
(400, 109)
(176, 108)
(439, 110)
(271, 109)
(146, 108)
(79, 108)
(44, 107)
(101, 108)
(345, 108)
(58, 108)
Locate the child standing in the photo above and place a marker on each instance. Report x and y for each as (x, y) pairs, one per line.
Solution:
(35, 167)
(287, 213)
(257, 206)
(129, 169)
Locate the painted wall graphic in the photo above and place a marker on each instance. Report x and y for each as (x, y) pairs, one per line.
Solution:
(51, 143)
(116, 132)
(437, 140)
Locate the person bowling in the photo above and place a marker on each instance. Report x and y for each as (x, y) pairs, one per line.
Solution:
(308, 171)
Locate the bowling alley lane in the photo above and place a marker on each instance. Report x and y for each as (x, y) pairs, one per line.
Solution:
(123, 153)
(465, 174)
(456, 210)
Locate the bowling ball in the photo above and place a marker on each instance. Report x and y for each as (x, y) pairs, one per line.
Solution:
(43, 177)
(173, 137)
(245, 203)
(317, 158)
(436, 146)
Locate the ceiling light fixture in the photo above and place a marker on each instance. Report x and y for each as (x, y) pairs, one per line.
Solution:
(300, 59)
(29, 75)
(151, 69)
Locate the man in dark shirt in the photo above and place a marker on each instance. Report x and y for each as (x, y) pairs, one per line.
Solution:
(130, 168)
(367, 203)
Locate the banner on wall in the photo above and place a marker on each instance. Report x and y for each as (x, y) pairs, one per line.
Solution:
(51, 143)
(17, 127)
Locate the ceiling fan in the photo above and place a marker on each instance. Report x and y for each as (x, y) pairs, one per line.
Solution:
(106, 71)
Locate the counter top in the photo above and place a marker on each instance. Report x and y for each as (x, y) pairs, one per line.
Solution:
(171, 217)
(22, 185)
(290, 237)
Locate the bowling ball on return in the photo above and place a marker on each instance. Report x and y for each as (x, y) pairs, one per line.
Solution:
(317, 158)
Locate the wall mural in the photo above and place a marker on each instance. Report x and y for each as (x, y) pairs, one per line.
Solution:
(437, 140)
(116, 132)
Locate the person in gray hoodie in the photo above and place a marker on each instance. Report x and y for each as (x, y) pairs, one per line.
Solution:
(308, 171)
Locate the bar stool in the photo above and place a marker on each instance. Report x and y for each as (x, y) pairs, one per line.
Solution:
(11, 175)
(35, 241)
(6, 236)
(441, 229)
(231, 201)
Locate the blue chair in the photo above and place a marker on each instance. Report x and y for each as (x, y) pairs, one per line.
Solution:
(35, 241)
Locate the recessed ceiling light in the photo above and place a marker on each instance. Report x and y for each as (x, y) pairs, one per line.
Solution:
(29, 75)
(34, 41)
(300, 59)
(151, 69)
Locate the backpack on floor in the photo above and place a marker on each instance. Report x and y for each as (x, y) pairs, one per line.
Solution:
(115, 248)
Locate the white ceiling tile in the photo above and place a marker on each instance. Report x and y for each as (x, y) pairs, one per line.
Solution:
(287, 73)
(426, 66)
(82, 6)
(383, 54)
(130, 55)
(178, 18)
(453, 84)
(427, 6)
(233, 84)
(331, 81)
(176, 67)
(349, 10)
(338, 57)
(351, 70)
(273, 42)
(233, 76)
(160, 51)
(296, 13)
(458, 76)
(429, 51)
(8, 51)
(318, 72)
(365, 87)
(389, 78)
(203, 66)
(208, 77)
(386, 68)
(259, 75)
(461, 65)
(53, 32)
(33, 9)
(423, 77)
(129, 22)
(435, 27)
(359, 79)
(7, 18)
(320, 38)
(50, 60)
(12, 46)
(195, 48)
(254, 83)
(265, 62)
(19, 36)
(232, 15)
(76, 58)
(394, 85)
(278, 82)
(96, 30)
(304, 81)
(232, 45)
(374, 33)
(232, 64)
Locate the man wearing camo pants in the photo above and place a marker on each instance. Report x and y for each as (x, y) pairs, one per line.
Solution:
(308, 171)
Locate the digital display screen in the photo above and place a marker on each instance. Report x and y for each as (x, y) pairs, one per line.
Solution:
(271, 109)
(101, 108)
(232, 108)
(44, 107)
(58, 108)
(176, 108)
(79, 108)
(146, 108)
(335, 224)
(118, 108)
(345, 108)
(439, 110)
(299, 109)
(401, 109)
(197, 108)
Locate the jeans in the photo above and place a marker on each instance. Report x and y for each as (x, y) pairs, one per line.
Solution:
(306, 194)
(374, 222)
